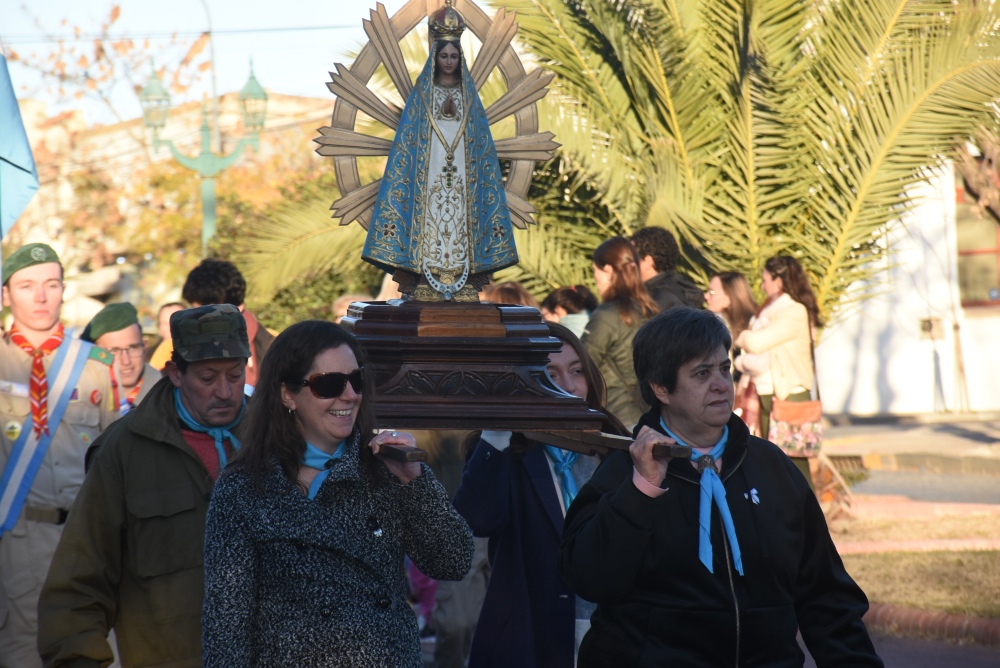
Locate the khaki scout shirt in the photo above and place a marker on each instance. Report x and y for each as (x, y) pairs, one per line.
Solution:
(89, 412)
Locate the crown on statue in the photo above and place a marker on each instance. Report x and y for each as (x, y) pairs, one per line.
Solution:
(447, 24)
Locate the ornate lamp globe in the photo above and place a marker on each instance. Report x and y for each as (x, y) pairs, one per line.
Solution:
(253, 101)
(155, 101)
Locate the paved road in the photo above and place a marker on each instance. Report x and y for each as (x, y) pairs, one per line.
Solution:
(941, 487)
(915, 653)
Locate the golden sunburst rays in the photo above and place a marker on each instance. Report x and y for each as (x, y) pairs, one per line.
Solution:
(498, 38)
(381, 36)
(345, 145)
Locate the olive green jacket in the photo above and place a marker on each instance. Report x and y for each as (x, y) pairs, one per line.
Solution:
(130, 556)
(609, 341)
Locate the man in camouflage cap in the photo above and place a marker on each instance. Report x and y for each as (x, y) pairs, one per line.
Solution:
(55, 398)
(116, 329)
(131, 553)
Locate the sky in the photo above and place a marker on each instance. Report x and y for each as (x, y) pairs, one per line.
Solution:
(293, 43)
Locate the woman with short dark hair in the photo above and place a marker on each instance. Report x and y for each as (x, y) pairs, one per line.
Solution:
(715, 559)
(308, 528)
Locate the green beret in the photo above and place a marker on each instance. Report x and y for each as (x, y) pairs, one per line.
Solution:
(112, 318)
(214, 331)
(28, 256)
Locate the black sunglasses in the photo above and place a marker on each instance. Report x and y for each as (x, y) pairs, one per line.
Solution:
(331, 385)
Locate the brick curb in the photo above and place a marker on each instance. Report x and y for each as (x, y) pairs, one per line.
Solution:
(916, 623)
(918, 462)
(922, 545)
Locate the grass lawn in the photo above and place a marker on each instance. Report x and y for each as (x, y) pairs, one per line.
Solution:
(945, 527)
(952, 582)
(955, 582)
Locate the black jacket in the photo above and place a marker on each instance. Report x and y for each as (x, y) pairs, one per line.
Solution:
(670, 290)
(658, 605)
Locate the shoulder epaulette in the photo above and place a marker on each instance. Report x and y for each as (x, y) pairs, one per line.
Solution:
(101, 355)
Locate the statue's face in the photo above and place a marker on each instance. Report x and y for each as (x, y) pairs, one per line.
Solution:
(447, 60)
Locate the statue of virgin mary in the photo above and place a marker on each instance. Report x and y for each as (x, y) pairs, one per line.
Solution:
(441, 223)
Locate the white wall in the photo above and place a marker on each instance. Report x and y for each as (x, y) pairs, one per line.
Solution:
(877, 361)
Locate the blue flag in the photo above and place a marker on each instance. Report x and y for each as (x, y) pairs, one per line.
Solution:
(18, 176)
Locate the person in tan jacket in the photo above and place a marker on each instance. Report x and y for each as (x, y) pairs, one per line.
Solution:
(55, 399)
(777, 348)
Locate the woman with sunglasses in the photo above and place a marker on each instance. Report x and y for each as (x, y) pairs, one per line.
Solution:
(515, 492)
(308, 528)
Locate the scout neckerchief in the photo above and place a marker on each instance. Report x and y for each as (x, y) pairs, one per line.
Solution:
(132, 397)
(218, 433)
(712, 490)
(563, 461)
(127, 402)
(29, 450)
(39, 388)
(315, 458)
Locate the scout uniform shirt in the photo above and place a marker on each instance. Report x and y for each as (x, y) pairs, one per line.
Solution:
(26, 550)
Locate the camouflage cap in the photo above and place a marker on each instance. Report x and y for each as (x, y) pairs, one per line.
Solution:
(210, 332)
(28, 256)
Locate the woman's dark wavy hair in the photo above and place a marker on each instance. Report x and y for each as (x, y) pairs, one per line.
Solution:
(795, 284)
(573, 299)
(271, 433)
(626, 290)
(597, 395)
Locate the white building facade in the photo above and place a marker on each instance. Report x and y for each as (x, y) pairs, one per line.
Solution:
(929, 340)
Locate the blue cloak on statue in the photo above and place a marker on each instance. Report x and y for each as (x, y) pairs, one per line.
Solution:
(408, 206)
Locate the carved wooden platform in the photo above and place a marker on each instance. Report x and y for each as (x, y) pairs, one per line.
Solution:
(442, 365)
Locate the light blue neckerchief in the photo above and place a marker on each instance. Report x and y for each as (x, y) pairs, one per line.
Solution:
(712, 488)
(315, 458)
(218, 433)
(563, 461)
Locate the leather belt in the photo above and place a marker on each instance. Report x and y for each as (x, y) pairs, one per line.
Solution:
(48, 515)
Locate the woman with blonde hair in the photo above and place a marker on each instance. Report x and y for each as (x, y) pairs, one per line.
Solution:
(625, 306)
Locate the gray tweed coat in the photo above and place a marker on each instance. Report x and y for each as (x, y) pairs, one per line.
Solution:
(294, 582)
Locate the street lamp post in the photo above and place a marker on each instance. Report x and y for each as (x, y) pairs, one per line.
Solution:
(155, 102)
